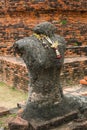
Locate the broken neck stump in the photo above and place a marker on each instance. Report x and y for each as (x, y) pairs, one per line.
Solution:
(43, 54)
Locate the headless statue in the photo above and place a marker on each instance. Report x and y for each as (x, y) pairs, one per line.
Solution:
(43, 54)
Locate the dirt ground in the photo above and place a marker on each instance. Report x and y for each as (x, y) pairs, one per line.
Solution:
(9, 96)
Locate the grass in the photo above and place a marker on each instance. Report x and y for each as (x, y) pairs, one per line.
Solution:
(9, 97)
(4, 120)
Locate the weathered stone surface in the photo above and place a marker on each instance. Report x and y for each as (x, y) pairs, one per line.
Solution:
(53, 123)
(3, 111)
(44, 69)
(18, 124)
(79, 116)
(79, 125)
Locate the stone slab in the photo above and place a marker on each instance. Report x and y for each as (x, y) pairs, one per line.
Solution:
(18, 124)
(79, 125)
(76, 90)
(3, 111)
(63, 127)
(55, 122)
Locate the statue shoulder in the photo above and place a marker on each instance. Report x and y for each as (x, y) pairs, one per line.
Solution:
(25, 42)
(61, 39)
(24, 45)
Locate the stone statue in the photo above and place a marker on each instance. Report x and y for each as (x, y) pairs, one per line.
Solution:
(43, 54)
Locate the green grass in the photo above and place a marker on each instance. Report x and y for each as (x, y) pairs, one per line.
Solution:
(63, 22)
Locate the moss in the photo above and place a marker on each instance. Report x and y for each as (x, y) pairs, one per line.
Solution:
(63, 22)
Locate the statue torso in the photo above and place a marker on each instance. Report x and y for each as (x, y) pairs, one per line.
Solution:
(36, 54)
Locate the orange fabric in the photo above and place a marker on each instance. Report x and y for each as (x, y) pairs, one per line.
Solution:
(83, 81)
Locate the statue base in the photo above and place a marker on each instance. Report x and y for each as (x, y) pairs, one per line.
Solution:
(52, 123)
(49, 111)
(69, 109)
(20, 124)
(47, 118)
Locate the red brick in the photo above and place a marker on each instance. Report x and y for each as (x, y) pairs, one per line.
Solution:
(3, 111)
(19, 17)
(18, 124)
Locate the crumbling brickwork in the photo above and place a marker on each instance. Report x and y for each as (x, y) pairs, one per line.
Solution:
(76, 51)
(27, 5)
(17, 18)
(13, 72)
(74, 71)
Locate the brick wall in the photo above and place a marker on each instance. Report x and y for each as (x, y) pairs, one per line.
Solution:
(13, 72)
(73, 72)
(18, 17)
(27, 5)
(76, 51)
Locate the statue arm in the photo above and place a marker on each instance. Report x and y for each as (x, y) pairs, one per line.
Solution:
(19, 47)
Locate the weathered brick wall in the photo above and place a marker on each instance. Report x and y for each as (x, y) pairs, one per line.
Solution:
(76, 51)
(13, 71)
(18, 17)
(14, 74)
(27, 5)
(73, 72)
